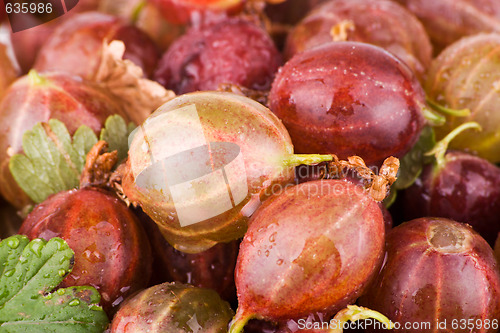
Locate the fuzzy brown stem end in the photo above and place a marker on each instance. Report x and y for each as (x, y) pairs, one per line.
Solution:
(98, 166)
(377, 185)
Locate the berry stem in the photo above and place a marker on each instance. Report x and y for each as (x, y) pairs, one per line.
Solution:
(378, 185)
(134, 17)
(239, 321)
(36, 79)
(447, 111)
(433, 118)
(354, 313)
(441, 147)
(307, 159)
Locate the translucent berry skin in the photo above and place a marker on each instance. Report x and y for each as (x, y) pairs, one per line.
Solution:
(67, 98)
(232, 51)
(225, 117)
(312, 248)
(437, 269)
(465, 188)
(446, 21)
(175, 308)
(112, 252)
(467, 75)
(75, 46)
(382, 23)
(349, 98)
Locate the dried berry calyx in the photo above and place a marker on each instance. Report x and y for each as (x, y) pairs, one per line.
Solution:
(98, 166)
(30, 272)
(54, 161)
(126, 80)
(377, 185)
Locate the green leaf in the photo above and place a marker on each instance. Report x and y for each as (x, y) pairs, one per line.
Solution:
(53, 162)
(413, 161)
(29, 272)
(115, 133)
(83, 140)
